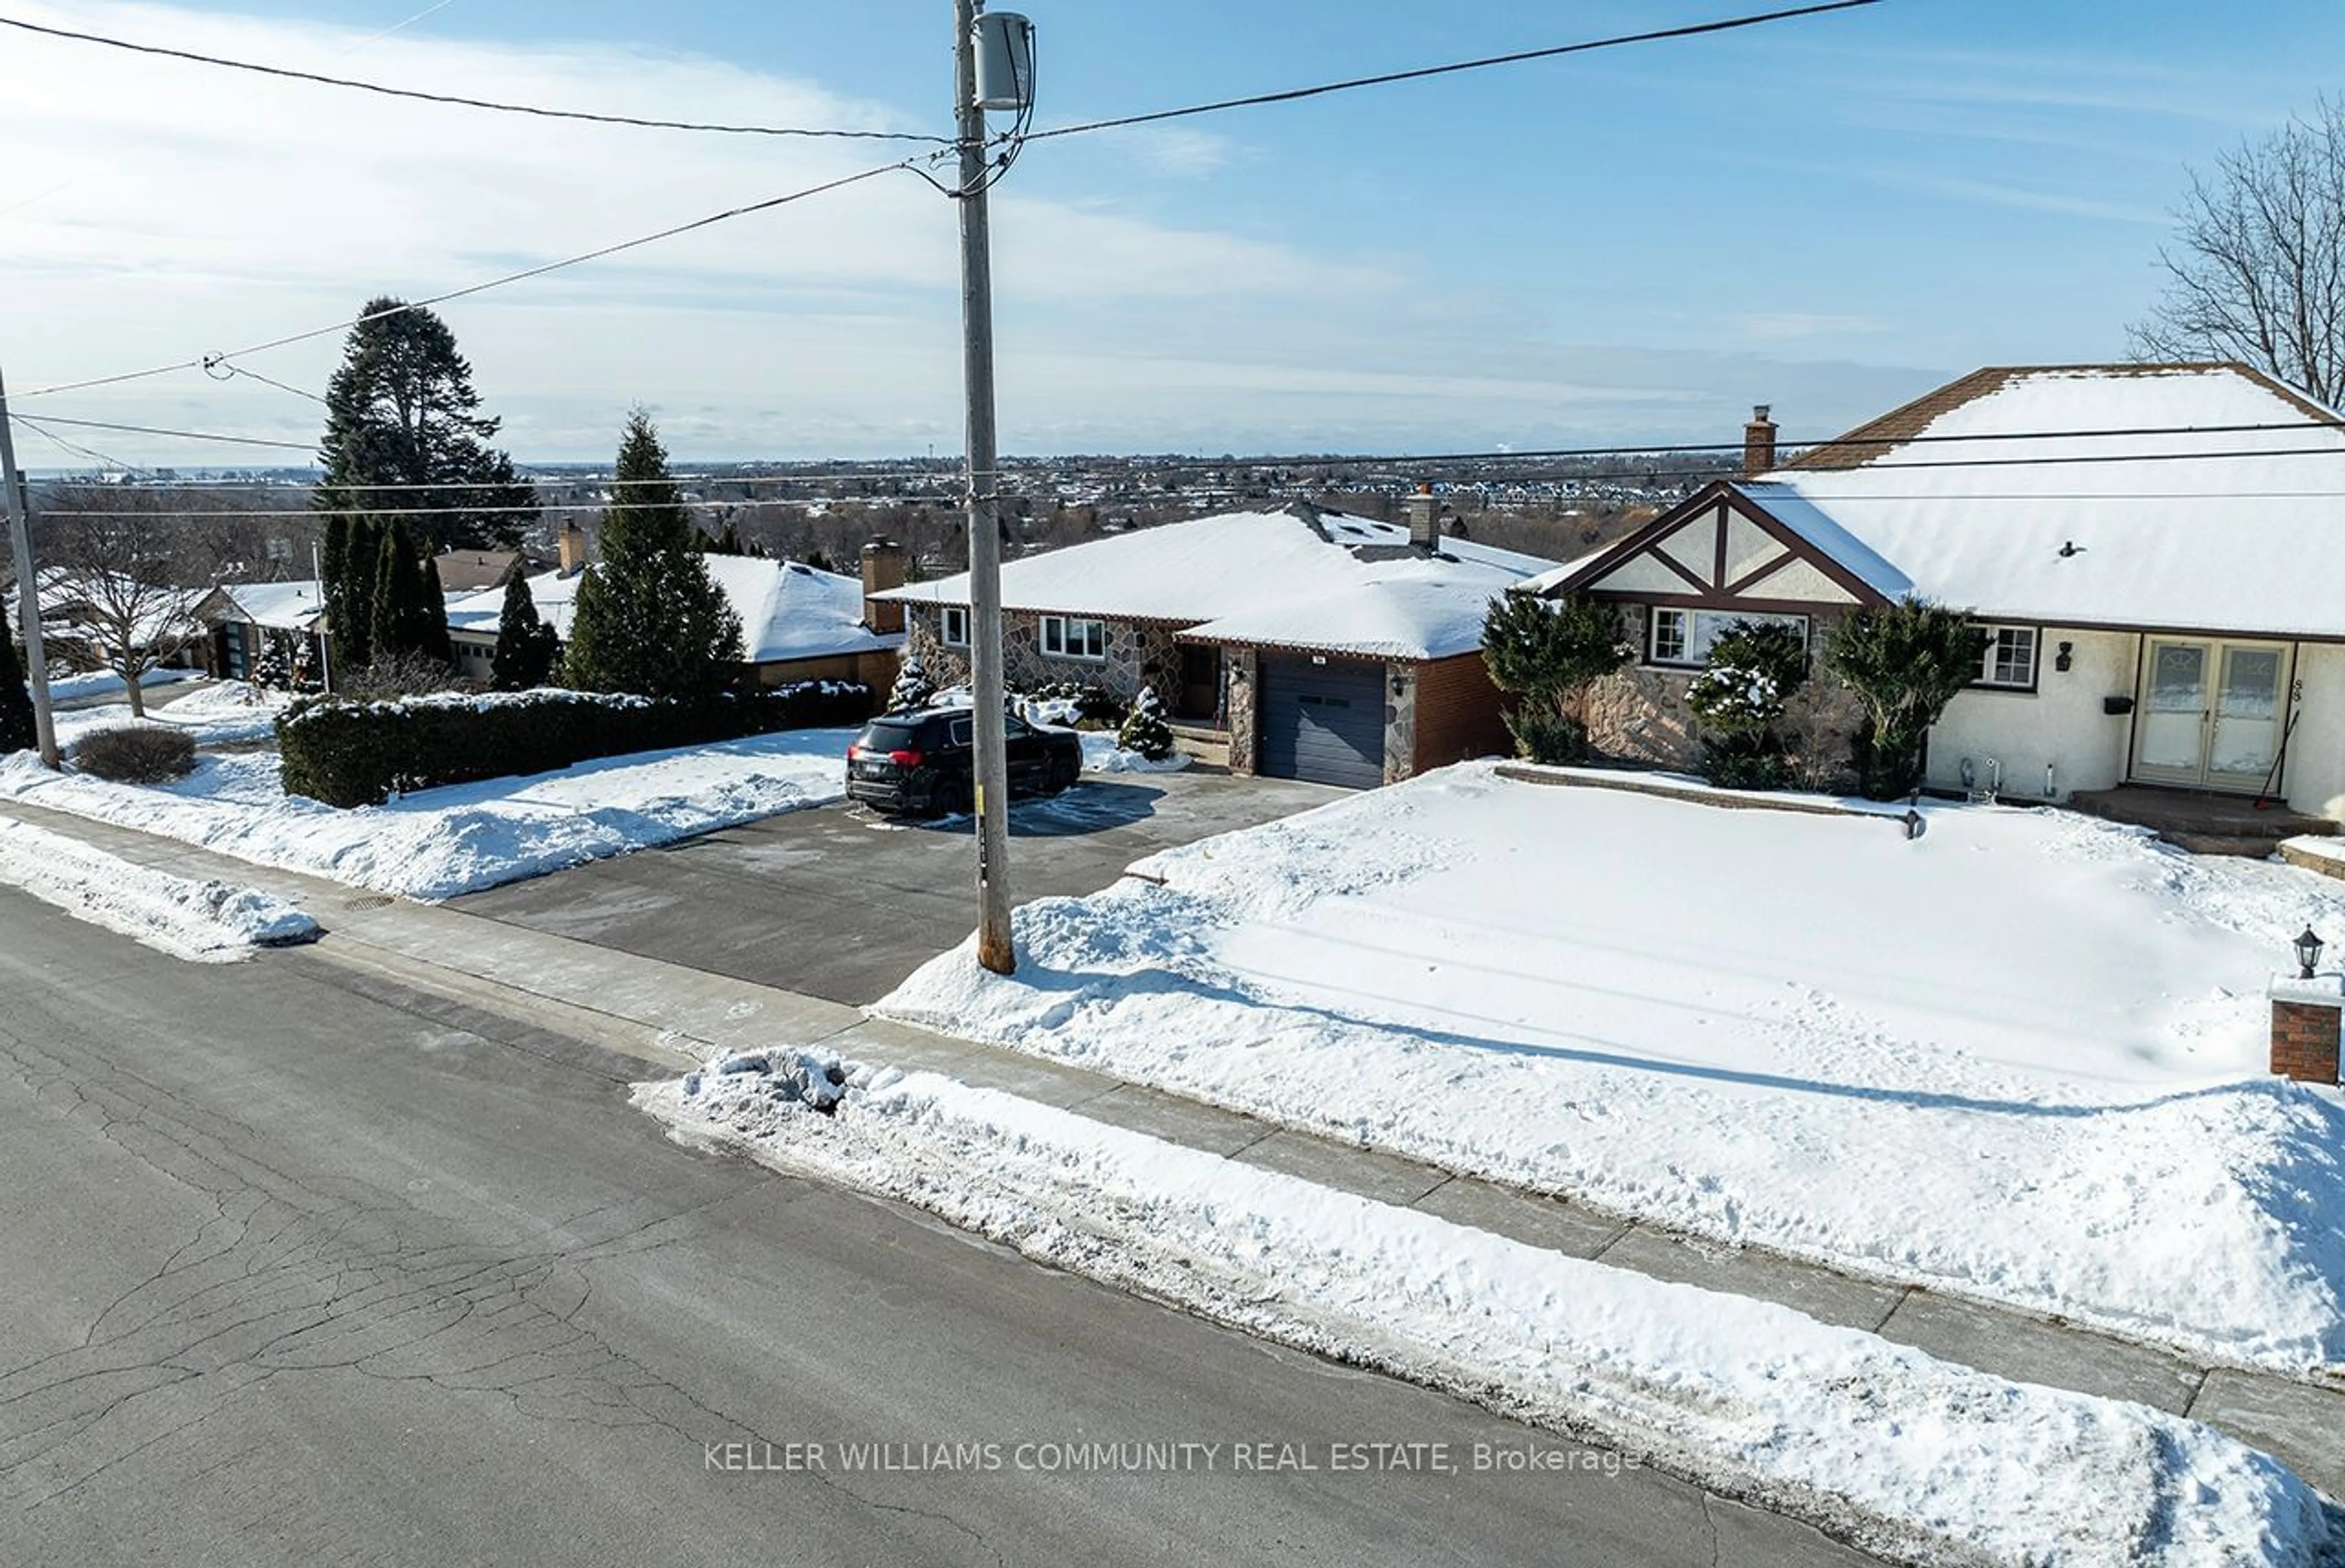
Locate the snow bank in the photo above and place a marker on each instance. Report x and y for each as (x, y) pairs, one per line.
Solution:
(1102, 756)
(211, 922)
(1882, 1445)
(438, 844)
(71, 688)
(2020, 1059)
(214, 712)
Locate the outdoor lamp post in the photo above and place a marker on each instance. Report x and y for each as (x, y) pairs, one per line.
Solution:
(2308, 953)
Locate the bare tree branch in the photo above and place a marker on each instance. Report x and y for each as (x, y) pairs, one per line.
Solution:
(2256, 269)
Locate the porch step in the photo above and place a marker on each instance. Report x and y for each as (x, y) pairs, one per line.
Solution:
(2250, 846)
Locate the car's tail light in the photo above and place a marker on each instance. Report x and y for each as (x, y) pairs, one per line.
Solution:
(905, 758)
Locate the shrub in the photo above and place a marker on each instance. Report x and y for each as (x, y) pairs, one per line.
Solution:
(350, 753)
(1544, 735)
(913, 688)
(1755, 667)
(1094, 703)
(1906, 661)
(1746, 759)
(1549, 656)
(136, 753)
(1145, 730)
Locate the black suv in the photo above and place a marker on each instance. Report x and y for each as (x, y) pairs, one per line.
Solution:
(921, 762)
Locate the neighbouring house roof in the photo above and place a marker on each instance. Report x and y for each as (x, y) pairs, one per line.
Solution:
(1298, 577)
(2118, 495)
(73, 606)
(279, 606)
(470, 570)
(788, 610)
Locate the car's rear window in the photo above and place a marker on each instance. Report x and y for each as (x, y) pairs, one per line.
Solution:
(888, 734)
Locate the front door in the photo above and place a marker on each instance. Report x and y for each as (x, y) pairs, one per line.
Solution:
(2212, 713)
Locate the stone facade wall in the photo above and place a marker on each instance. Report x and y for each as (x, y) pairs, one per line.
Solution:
(1138, 653)
(1240, 677)
(1638, 714)
(1401, 698)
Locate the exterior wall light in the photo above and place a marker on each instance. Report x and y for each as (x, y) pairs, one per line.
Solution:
(2065, 657)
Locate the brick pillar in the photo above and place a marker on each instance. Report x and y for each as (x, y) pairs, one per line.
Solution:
(2305, 1026)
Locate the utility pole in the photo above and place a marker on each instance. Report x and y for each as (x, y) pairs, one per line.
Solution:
(992, 762)
(29, 590)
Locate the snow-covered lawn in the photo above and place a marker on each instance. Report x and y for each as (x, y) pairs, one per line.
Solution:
(2020, 1057)
(72, 688)
(211, 922)
(437, 843)
(1901, 1452)
(213, 712)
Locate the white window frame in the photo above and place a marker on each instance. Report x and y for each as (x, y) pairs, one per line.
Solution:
(1067, 637)
(1698, 628)
(1988, 661)
(952, 625)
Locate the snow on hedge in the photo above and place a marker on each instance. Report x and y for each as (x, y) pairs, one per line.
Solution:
(437, 843)
(1882, 1445)
(211, 922)
(2019, 1058)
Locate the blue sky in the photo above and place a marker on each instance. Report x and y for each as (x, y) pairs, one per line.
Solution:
(1830, 215)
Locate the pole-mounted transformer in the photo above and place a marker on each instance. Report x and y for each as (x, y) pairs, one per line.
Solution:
(1005, 61)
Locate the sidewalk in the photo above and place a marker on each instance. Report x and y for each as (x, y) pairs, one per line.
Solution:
(671, 1018)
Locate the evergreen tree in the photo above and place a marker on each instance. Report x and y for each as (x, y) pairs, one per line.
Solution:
(18, 732)
(525, 643)
(402, 627)
(400, 411)
(436, 642)
(1550, 654)
(1906, 662)
(1145, 730)
(913, 688)
(650, 619)
(351, 556)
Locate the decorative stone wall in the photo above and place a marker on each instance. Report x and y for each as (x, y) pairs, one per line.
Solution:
(1638, 714)
(1138, 653)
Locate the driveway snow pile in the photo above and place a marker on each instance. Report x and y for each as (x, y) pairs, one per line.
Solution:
(1102, 756)
(2018, 1058)
(1880, 1445)
(211, 922)
(438, 844)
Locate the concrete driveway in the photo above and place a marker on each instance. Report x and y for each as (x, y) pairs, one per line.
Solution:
(842, 903)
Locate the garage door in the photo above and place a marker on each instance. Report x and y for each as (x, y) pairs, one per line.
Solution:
(1323, 722)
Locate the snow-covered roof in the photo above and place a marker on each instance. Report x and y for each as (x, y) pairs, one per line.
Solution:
(1298, 577)
(280, 606)
(788, 610)
(1963, 498)
(1402, 610)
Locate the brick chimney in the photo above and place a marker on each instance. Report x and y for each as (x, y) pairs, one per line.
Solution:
(573, 547)
(1757, 443)
(2305, 1019)
(1424, 519)
(883, 568)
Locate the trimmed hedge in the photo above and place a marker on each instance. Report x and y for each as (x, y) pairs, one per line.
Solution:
(348, 753)
(136, 753)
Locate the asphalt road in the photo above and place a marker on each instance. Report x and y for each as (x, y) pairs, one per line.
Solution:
(843, 904)
(300, 1269)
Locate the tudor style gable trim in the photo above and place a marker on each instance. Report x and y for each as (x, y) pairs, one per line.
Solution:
(1719, 549)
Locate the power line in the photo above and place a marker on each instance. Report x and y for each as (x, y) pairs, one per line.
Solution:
(453, 99)
(209, 362)
(155, 430)
(216, 363)
(1291, 94)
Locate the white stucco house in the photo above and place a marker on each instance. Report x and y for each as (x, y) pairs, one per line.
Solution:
(2154, 548)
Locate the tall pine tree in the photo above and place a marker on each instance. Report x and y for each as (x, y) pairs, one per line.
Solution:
(401, 413)
(18, 731)
(403, 623)
(436, 643)
(525, 644)
(650, 619)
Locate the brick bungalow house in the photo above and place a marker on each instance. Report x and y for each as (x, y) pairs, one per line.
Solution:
(1314, 644)
(2152, 548)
